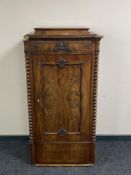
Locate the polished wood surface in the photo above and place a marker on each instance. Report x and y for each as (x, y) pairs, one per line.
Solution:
(62, 68)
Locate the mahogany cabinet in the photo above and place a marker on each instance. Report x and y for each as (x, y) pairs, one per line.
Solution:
(61, 70)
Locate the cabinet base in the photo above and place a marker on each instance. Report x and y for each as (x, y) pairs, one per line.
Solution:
(64, 165)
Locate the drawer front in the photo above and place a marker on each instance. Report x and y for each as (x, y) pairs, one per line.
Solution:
(57, 47)
(63, 153)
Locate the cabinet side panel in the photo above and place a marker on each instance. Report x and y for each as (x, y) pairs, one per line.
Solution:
(30, 97)
(94, 98)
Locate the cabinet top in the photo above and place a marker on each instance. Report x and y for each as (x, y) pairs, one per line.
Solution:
(44, 33)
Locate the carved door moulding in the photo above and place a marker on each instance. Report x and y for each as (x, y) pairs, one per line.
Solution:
(71, 98)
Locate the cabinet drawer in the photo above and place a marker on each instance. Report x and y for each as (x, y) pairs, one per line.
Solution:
(57, 47)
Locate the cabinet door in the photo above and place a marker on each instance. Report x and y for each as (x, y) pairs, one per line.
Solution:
(62, 97)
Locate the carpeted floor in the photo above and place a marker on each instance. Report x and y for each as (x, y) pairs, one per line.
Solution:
(112, 158)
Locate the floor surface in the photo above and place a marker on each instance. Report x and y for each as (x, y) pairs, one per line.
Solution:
(112, 158)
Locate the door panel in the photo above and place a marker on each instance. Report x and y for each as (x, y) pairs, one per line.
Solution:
(62, 109)
(60, 97)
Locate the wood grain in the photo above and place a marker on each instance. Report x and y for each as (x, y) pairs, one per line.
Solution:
(63, 100)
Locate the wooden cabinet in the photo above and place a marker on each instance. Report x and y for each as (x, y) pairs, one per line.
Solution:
(61, 67)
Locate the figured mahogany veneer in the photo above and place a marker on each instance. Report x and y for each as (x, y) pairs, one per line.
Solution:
(61, 71)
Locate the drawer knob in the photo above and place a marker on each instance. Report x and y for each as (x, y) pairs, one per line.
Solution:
(61, 46)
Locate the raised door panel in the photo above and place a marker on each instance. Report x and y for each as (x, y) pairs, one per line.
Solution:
(62, 97)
